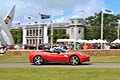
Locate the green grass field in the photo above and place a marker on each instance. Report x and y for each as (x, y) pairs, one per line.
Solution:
(7, 58)
(56, 73)
(59, 74)
(25, 58)
(105, 58)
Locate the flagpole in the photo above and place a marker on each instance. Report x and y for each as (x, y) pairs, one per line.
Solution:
(51, 31)
(118, 28)
(101, 28)
(44, 16)
(38, 36)
(75, 34)
(75, 30)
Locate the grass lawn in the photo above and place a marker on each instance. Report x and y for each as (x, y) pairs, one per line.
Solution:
(25, 58)
(105, 58)
(59, 74)
(12, 58)
(36, 73)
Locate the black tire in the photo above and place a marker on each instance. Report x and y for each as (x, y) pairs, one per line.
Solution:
(38, 60)
(74, 60)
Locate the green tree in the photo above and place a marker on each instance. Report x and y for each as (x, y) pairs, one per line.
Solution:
(93, 31)
(17, 36)
(57, 34)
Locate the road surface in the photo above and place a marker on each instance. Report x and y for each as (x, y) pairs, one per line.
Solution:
(85, 65)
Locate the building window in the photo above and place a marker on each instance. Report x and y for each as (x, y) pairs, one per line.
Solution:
(72, 22)
(33, 32)
(37, 32)
(79, 30)
(33, 41)
(40, 33)
(30, 41)
(27, 32)
(79, 21)
(27, 41)
(72, 30)
(40, 41)
(30, 32)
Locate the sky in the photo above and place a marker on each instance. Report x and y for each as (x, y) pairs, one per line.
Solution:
(60, 10)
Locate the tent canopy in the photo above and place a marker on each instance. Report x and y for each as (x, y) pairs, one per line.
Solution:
(66, 40)
(92, 41)
(83, 41)
(116, 41)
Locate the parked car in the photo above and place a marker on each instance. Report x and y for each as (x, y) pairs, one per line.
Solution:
(3, 49)
(58, 55)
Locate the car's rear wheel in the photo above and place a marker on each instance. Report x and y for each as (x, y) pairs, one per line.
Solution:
(38, 60)
(74, 60)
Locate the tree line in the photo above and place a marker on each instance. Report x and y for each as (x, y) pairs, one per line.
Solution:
(110, 26)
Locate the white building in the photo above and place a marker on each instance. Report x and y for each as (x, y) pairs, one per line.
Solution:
(30, 34)
(75, 29)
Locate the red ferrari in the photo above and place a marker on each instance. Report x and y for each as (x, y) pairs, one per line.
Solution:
(58, 55)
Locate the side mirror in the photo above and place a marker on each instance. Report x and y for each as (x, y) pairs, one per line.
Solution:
(58, 52)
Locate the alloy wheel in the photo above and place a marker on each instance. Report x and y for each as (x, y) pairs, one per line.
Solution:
(38, 60)
(74, 60)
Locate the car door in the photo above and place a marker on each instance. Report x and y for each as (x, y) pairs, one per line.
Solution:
(57, 57)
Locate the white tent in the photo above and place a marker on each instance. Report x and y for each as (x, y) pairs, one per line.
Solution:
(81, 41)
(116, 41)
(99, 41)
(66, 40)
(92, 41)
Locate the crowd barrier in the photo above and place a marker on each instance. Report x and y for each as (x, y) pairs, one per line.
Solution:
(91, 52)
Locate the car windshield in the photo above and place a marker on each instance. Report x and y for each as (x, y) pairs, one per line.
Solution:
(61, 50)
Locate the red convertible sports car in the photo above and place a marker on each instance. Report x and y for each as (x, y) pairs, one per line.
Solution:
(58, 55)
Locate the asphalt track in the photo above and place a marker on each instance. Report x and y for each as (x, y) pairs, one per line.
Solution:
(85, 65)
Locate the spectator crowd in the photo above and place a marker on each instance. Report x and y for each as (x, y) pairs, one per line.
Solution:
(67, 46)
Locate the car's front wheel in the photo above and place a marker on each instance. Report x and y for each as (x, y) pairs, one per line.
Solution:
(74, 60)
(38, 60)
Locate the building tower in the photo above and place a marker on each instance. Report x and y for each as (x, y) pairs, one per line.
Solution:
(76, 27)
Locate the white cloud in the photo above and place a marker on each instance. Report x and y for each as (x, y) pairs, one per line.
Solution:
(59, 20)
(87, 9)
(65, 8)
(90, 8)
